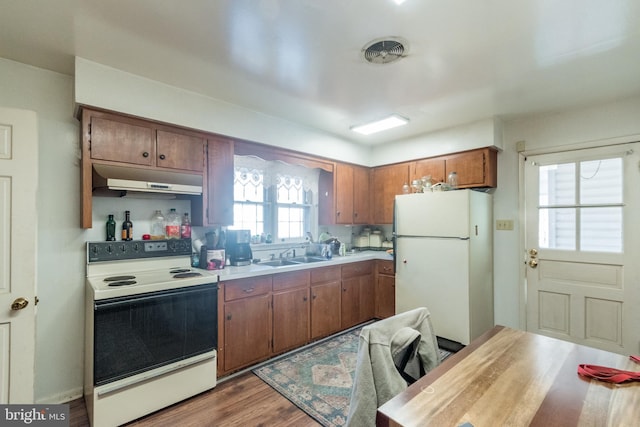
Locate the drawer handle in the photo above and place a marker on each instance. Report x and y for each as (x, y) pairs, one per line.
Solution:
(145, 154)
(248, 290)
(162, 157)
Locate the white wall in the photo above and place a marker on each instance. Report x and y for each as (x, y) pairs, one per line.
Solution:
(607, 123)
(59, 260)
(101, 86)
(479, 134)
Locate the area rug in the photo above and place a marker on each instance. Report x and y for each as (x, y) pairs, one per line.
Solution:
(318, 379)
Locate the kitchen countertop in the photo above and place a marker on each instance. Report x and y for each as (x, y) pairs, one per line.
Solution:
(254, 270)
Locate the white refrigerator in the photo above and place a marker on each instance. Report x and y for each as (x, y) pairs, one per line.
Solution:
(444, 260)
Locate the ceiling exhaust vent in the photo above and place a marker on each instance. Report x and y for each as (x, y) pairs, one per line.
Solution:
(385, 50)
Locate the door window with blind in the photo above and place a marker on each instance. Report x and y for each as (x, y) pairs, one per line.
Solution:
(274, 198)
(580, 205)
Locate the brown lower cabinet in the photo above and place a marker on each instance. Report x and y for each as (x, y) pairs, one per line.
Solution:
(358, 298)
(325, 301)
(247, 329)
(385, 289)
(264, 316)
(247, 322)
(290, 310)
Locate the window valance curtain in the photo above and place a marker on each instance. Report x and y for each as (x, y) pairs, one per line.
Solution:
(273, 171)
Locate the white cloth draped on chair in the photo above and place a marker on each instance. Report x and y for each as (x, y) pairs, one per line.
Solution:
(381, 350)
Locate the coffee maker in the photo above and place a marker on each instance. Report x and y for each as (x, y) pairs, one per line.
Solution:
(238, 247)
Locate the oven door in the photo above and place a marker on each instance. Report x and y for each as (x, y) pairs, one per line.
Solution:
(137, 333)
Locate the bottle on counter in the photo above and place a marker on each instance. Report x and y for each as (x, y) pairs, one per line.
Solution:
(185, 227)
(157, 225)
(111, 229)
(127, 227)
(172, 227)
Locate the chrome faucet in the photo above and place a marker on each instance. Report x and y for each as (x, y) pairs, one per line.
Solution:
(286, 251)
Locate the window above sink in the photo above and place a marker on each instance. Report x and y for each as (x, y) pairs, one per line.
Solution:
(274, 199)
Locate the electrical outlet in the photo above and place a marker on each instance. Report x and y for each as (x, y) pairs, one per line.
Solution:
(504, 224)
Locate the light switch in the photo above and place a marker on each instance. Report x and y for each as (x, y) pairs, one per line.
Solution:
(504, 224)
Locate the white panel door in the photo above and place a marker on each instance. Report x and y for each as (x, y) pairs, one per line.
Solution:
(18, 183)
(434, 273)
(583, 246)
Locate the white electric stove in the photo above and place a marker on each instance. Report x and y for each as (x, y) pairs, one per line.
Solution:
(151, 332)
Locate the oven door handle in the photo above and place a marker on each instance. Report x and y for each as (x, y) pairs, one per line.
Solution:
(141, 298)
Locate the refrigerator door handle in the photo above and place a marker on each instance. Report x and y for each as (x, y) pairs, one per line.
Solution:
(393, 236)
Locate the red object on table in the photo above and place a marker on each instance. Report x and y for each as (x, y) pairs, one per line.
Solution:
(610, 375)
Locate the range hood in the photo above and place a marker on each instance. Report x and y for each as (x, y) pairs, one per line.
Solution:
(134, 180)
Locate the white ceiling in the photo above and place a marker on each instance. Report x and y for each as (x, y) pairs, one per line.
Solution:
(301, 60)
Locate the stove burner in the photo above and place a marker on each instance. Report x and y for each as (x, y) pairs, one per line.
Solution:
(179, 270)
(185, 275)
(118, 278)
(123, 282)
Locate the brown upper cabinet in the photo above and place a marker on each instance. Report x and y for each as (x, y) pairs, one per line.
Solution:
(435, 168)
(348, 194)
(121, 140)
(475, 169)
(347, 201)
(219, 195)
(126, 140)
(387, 182)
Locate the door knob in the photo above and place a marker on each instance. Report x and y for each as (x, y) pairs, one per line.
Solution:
(19, 304)
(533, 263)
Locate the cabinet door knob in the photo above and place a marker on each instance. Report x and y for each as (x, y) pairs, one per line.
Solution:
(145, 154)
(304, 299)
(229, 316)
(162, 157)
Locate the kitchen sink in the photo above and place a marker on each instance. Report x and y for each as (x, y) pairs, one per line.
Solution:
(307, 259)
(278, 263)
(292, 261)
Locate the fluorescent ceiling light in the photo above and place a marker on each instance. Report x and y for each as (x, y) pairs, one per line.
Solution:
(398, 2)
(392, 121)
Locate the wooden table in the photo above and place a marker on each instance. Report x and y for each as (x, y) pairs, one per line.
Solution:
(510, 378)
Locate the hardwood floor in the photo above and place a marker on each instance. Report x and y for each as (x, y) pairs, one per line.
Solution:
(242, 401)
